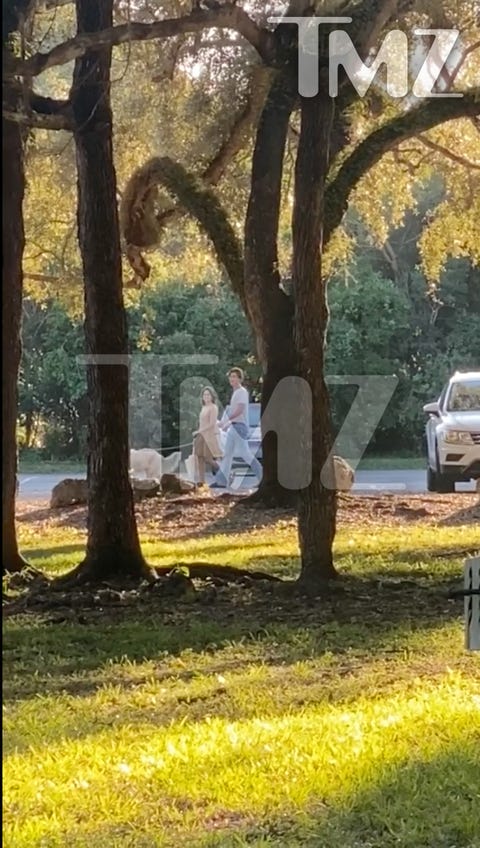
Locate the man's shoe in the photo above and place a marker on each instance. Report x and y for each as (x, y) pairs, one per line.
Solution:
(219, 481)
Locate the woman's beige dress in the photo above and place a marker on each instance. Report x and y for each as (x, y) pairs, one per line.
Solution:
(206, 444)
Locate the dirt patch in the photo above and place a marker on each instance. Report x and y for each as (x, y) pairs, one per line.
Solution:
(190, 517)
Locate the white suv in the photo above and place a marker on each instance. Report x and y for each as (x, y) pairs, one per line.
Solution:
(453, 433)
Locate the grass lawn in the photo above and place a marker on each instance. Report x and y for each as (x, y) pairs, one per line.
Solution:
(47, 466)
(392, 463)
(247, 718)
(369, 463)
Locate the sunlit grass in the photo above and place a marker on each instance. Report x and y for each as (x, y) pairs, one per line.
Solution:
(318, 762)
(239, 725)
(357, 547)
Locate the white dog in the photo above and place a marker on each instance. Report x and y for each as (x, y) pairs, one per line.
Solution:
(152, 464)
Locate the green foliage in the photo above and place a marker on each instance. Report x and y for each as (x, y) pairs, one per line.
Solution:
(385, 326)
(165, 325)
(171, 323)
(383, 321)
(52, 385)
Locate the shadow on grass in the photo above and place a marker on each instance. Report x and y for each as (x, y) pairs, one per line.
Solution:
(463, 516)
(62, 516)
(414, 804)
(237, 520)
(56, 550)
(370, 613)
(243, 517)
(198, 553)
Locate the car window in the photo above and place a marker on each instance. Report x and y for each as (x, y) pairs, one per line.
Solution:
(464, 397)
(441, 400)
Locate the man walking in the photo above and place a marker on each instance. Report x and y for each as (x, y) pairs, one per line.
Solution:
(235, 422)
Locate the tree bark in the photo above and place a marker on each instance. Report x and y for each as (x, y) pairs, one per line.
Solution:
(279, 362)
(270, 310)
(317, 504)
(113, 547)
(12, 285)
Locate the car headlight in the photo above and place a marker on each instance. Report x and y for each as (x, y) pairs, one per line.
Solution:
(457, 437)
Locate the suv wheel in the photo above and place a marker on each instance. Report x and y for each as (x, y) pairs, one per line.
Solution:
(431, 480)
(445, 484)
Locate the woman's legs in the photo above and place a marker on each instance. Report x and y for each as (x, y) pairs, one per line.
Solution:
(199, 457)
(200, 475)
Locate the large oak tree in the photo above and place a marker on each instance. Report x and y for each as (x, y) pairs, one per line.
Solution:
(330, 164)
(13, 139)
(113, 546)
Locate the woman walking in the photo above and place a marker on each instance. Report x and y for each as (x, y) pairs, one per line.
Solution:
(206, 441)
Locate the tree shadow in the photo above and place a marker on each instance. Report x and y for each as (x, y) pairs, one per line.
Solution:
(413, 803)
(418, 803)
(242, 517)
(236, 520)
(74, 516)
(470, 515)
(373, 614)
(44, 553)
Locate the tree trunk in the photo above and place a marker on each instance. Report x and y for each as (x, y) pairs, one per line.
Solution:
(113, 547)
(317, 504)
(270, 310)
(279, 362)
(12, 283)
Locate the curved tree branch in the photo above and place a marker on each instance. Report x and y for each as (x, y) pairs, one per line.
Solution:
(463, 58)
(267, 170)
(41, 122)
(246, 117)
(449, 154)
(203, 205)
(227, 16)
(42, 113)
(242, 124)
(430, 113)
(371, 17)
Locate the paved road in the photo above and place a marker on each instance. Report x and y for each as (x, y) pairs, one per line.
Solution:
(39, 486)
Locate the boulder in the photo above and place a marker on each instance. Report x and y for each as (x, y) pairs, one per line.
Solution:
(171, 484)
(68, 492)
(71, 492)
(341, 477)
(143, 489)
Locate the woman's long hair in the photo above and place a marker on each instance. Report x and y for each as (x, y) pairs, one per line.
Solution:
(212, 394)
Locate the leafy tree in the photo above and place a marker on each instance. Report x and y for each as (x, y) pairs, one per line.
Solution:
(174, 322)
(338, 144)
(12, 283)
(52, 386)
(113, 545)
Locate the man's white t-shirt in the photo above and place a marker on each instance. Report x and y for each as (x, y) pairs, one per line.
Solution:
(240, 398)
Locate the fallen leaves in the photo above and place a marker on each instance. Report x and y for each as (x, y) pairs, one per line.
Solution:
(190, 517)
